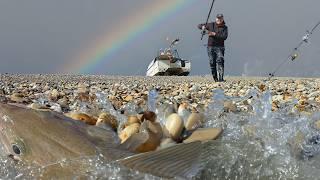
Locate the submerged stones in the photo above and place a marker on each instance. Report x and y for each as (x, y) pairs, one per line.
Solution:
(145, 133)
(142, 137)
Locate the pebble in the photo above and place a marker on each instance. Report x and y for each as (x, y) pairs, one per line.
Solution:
(194, 121)
(149, 115)
(82, 117)
(107, 119)
(183, 111)
(37, 106)
(77, 93)
(154, 134)
(317, 124)
(19, 98)
(204, 135)
(229, 106)
(196, 90)
(174, 126)
(54, 95)
(128, 98)
(132, 119)
(129, 131)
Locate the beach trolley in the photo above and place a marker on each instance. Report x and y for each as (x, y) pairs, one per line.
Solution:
(168, 63)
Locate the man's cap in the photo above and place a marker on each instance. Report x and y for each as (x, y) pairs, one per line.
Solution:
(219, 15)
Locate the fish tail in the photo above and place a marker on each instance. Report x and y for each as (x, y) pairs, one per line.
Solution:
(183, 160)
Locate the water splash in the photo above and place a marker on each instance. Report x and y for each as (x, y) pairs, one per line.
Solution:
(105, 105)
(215, 109)
(263, 144)
(152, 100)
(258, 144)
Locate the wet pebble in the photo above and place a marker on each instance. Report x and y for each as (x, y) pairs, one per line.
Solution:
(174, 126)
(82, 117)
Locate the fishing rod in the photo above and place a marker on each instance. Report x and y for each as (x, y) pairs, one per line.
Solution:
(204, 30)
(294, 54)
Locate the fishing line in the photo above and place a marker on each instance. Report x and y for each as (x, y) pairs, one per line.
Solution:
(294, 54)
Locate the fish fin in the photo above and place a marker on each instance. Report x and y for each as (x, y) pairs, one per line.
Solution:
(183, 160)
(134, 141)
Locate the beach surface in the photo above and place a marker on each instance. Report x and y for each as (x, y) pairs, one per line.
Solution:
(261, 129)
(197, 91)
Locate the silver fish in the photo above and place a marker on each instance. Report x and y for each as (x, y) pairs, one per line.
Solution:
(44, 138)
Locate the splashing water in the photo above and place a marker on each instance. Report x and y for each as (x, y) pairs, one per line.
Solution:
(42, 99)
(102, 101)
(215, 109)
(263, 144)
(106, 106)
(257, 144)
(152, 100)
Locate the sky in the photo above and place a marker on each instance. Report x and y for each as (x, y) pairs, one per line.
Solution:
(45, 36)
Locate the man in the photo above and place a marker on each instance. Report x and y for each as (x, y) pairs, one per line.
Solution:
(218, 33)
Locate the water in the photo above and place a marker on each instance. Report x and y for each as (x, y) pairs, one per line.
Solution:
(263, 144)
(152, 100)
(258, 144)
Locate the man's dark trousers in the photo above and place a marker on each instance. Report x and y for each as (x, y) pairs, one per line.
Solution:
(216, 59)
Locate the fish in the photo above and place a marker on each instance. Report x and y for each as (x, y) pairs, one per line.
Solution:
(45, 138)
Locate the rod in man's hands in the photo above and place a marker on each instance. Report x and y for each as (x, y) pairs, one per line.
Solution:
(204, 30)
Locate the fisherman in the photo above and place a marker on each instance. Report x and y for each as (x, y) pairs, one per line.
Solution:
(218, 33)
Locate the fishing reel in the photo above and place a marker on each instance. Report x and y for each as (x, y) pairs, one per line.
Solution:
(204, 30)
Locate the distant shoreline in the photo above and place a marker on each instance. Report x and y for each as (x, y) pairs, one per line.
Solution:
(207, 76)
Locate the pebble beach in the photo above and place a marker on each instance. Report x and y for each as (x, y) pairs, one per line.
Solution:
(197, 91)
(257, 127)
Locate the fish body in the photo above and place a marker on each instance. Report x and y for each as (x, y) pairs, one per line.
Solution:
(45, 138)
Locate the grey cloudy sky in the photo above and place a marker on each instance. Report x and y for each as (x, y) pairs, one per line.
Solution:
(40, 36)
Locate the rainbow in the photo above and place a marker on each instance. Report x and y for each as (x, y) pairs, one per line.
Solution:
(102, 49)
